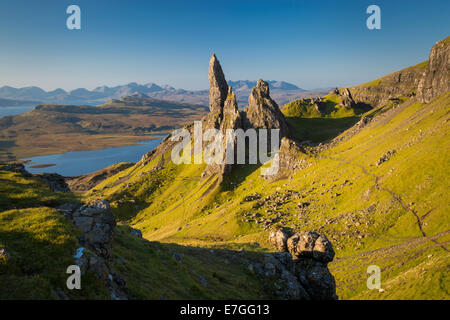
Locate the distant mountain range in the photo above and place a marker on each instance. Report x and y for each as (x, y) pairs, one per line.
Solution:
(281, 91)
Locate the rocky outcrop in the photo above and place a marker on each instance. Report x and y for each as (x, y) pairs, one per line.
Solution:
(55, 181)
(390, 88)
(435, 79)
(347, 99)
(97, 224)
(385, 157)
(231, 120)
(263, 112)
(288, 159)
(231, 116)
(306, 255)
(278, 238)
(427, 80)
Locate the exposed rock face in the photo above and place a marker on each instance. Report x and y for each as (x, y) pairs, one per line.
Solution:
(231, 120)
(288, 159)
(429, 79)
(231, 116)
(347, 99)
(311, 253)
(218, 87)
(97, 223)
(278, 238)
(435, 80)
(390, 87)
(263, 112)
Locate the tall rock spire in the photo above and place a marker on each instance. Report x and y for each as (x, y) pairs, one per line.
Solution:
(263, 112)
(218, 87)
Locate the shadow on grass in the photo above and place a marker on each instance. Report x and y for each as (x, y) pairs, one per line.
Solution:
(319, 129)
(38, 257)
(156, 270)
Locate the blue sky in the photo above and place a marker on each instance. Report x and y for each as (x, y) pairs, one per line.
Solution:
(309, 43)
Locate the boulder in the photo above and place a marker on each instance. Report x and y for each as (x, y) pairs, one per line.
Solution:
(307, 244)
(278, 238)
(323, 250)
(302, 244)
(307, 275)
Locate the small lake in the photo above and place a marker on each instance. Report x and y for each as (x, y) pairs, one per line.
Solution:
(83, 162)
(14, 110)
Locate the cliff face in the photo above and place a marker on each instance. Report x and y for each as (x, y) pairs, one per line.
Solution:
(396, 85)
(427, 80)
(435, 79)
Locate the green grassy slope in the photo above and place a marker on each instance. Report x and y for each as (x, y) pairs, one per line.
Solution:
(392, 215)
(40, 242)
(156, 270)
(307, 123)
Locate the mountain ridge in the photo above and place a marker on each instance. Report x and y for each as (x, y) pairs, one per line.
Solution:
(102, 94)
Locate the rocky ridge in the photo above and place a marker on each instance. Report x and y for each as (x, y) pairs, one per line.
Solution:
(426, 80)
(97, 224)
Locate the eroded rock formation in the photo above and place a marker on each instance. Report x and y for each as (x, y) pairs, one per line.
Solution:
(302, 261)
(263, 112)
(218, 87)
(97, 224)
(347, 99)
